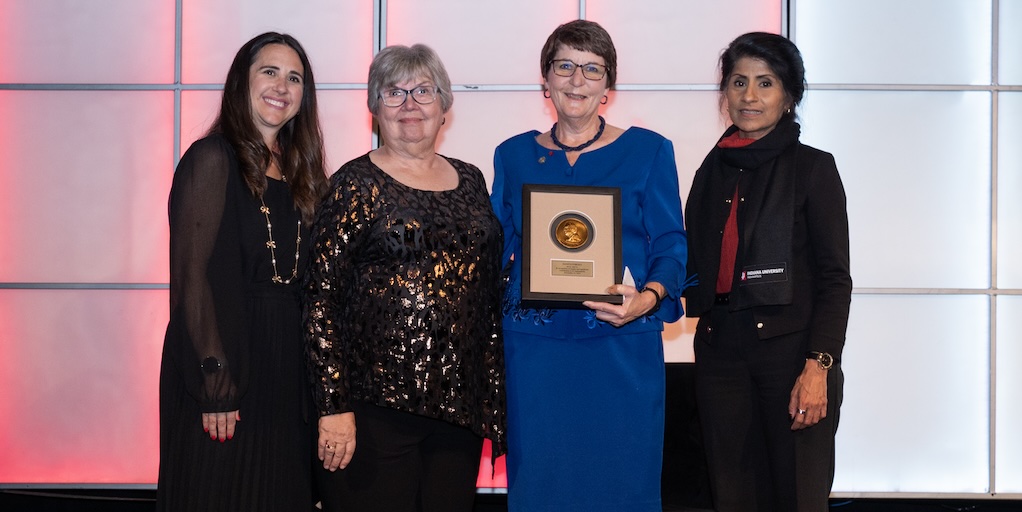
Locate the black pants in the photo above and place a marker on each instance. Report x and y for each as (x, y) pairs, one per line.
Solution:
(404, 463)
(743, 386)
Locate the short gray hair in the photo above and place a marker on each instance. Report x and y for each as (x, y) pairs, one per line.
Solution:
(398, 63)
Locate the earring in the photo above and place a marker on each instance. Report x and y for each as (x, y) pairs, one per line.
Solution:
(546, 93)
(443, 121)
(604, 100)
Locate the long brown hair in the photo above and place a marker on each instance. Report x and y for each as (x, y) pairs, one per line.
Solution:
(300, 140)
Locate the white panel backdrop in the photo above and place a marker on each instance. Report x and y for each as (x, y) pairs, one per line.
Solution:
(98, 99)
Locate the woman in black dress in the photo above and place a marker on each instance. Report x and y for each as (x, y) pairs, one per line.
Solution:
(233, 390)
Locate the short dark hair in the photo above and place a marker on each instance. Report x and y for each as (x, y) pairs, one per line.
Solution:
(779, 53)
(585, 36)
(397, 63)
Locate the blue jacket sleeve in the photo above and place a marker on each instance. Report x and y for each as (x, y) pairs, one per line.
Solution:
(662, 218)
(503, 207)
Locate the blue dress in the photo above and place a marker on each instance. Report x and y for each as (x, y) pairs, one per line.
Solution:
(585, 400)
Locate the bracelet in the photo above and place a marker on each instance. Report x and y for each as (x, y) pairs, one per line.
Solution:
(656, 307)
(211, 365)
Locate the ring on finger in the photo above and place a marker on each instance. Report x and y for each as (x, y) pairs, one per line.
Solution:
(801, 411)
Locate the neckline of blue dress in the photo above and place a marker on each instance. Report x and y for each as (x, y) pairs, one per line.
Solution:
(536, 133)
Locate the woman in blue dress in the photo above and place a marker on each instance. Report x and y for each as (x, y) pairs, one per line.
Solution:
(585, 387)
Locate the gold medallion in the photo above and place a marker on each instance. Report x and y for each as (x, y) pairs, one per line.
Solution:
(572, 231)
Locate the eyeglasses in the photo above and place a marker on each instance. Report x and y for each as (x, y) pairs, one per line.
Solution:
(423, 95)
(591, 71)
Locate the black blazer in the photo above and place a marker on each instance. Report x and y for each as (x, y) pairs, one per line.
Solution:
(805, 286)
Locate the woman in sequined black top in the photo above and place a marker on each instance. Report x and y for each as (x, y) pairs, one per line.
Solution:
(402, 308)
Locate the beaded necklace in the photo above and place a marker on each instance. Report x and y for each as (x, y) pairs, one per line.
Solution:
(580, 147)
(273, 245)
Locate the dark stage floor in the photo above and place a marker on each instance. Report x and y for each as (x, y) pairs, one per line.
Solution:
(143, 501)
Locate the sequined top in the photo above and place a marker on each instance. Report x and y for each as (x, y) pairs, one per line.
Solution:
(402, 304)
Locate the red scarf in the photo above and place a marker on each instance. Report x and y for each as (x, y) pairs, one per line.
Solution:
(729, 242)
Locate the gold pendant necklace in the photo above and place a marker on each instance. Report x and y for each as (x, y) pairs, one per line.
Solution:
(273, 245)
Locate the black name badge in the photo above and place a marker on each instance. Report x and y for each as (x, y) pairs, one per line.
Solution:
(762, 274)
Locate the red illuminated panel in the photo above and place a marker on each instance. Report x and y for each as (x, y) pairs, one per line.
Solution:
(485, 42)
(198, 111)
(337, 36)
(99, 41)
(84, 191)
(79, 375)
(85, 174)
(347, 126)
(491, 475)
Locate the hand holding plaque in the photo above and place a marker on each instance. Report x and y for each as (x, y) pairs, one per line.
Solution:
(571, 245)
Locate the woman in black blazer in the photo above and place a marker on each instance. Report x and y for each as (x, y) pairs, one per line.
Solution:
(768, 249)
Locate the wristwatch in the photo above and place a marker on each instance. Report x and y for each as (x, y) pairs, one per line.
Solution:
(826, 360)
(211, 365)
(659, 299)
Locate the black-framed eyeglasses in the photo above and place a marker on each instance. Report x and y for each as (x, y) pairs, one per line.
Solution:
(395, 97)
(565, 67)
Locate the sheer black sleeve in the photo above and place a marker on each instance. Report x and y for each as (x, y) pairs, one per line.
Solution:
(207, 315)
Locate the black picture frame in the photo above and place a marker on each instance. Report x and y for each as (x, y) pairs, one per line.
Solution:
(561, 271)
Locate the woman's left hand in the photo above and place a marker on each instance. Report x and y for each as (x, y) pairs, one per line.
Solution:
(808, 404)
(336, 440)
(220, 425)
(635, 304)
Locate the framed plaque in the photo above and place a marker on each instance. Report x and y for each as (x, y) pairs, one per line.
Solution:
(571, 245)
